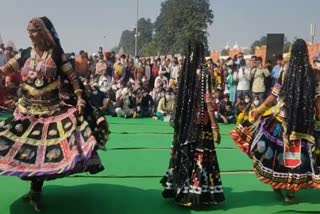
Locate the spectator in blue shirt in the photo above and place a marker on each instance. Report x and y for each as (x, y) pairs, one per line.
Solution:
(277, 69)
(3, 58)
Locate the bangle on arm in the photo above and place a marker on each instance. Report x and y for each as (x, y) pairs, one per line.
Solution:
(215, 127)
(76, 87)
(73, 79)
(81, 102)
(210, 107)
(78, 92)
(262, 108)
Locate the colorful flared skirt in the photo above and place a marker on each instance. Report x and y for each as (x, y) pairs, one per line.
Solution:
(273, 163)
(48, 147)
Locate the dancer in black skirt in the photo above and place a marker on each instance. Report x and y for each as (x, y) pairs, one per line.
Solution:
(193, 177)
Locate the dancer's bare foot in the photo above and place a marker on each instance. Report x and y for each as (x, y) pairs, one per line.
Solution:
(290, 198)
(34, 198)
(278, 193)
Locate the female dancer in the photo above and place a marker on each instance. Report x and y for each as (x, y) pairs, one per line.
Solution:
(193, 177)
(47, 138)
(281, 144)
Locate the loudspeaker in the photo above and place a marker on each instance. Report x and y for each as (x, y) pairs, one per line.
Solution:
(275, 44)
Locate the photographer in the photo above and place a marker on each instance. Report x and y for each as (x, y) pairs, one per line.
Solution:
(259, 75)
(243, 77)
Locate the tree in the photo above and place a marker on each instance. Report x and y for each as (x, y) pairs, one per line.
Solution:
(127, 41)
(145, 29)
(258, 43)
(152, 49)
(115, 49)
(145, 33)
(181, 21)
(263, 41)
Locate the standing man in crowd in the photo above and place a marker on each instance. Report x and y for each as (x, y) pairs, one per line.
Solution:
(243, 77)
(101, 65)
(3, 58)
(259, 75)
(82, 65)
(277, 69)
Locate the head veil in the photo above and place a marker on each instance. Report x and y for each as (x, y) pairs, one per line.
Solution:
(43, 23)
(189, 104)
(298, 92)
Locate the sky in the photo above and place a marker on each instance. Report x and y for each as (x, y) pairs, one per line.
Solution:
(88, 24)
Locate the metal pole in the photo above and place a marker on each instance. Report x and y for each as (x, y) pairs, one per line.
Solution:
(136, 35)
(1, 42)
(313, 32)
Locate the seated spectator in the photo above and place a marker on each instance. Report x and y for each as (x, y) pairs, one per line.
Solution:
(246, 106)
(137, 87)
(161, 82)
(240, 106)
(120, 87)
(104, 81)
(166, 106)
(226, 113)
(126, 104)
(256, 102)
(241, 112)
(216, 103)
(97, 97)
(157, 95)
(247, 101)
(145, 104)
(145, 83)
(109, 104)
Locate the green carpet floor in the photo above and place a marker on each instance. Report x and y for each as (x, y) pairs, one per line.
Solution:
(151, 162)
(137, 156)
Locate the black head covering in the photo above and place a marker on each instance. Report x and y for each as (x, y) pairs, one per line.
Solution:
(298, 91)
(52, 34)
(189, 103)
(52, 30)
